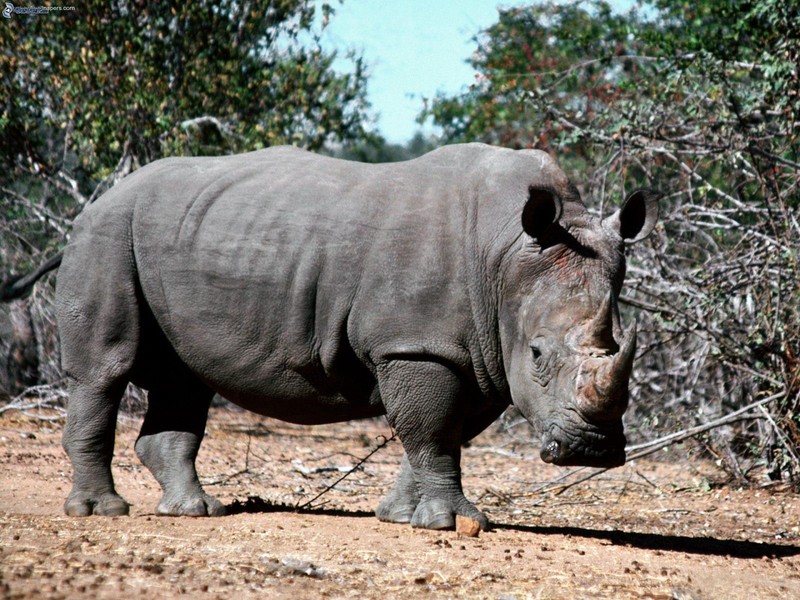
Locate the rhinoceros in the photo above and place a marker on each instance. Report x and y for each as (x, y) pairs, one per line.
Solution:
(437, 291)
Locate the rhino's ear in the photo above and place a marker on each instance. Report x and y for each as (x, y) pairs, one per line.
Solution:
(542, 209)
(637, 216)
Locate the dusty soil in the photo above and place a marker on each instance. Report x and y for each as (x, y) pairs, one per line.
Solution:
(647, 530)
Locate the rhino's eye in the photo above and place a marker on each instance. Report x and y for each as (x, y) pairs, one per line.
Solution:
(540, 365)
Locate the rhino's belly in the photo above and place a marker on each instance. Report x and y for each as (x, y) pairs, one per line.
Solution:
(263, 348)
(264, 367)
(303, 405)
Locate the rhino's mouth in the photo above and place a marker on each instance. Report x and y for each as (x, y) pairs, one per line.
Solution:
(581, 444)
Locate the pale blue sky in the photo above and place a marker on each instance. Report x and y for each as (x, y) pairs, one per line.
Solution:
(413, 48)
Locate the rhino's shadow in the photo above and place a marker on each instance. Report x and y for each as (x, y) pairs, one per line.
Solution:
(254, 504)
(668, 543)
(645, 541)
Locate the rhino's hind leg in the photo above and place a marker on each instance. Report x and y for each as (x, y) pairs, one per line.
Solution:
(424, 404)
(98, 321)
(168, 444)
(89, 442)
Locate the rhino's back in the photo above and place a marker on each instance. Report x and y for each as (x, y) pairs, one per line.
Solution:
(290, 271)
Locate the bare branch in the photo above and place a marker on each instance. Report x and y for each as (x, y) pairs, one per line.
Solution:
(654, 446)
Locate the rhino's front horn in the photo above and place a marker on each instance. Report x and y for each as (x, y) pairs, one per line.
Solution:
(606, 398)
(623, 360)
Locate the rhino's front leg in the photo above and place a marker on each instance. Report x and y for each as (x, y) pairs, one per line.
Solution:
(425, 403)
(400, 503)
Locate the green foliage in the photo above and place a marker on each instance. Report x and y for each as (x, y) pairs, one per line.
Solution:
(91, 94)
(559, 77)
(559, 53)
(760, 35)
(130, 77)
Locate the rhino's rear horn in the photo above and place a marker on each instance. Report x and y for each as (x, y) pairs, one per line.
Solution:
(603, 331)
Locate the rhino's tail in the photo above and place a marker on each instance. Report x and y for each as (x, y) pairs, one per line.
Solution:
(19, 286)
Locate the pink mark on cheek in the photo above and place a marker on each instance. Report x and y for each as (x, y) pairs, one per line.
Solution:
(567, 271)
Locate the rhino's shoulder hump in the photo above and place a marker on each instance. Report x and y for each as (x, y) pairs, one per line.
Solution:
(458, 153)
(496, 158)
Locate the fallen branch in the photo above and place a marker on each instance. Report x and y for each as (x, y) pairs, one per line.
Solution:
(382, 444)
(678, 436)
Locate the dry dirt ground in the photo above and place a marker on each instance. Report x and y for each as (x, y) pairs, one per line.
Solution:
(647, 530)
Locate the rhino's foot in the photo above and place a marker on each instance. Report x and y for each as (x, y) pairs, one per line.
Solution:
(396, 510)
(195, 505)
(400, 503)
(170, 457)
(84, 504)
(440, 513)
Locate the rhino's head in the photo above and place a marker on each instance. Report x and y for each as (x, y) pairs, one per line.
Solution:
(567, 358)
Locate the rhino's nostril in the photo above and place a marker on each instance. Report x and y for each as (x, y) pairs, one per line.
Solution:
(550, 451)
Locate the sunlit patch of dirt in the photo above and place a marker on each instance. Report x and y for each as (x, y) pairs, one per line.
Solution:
(646, 530)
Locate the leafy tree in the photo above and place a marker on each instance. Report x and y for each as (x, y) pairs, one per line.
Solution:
(702, 100)
(561, 52)
(91, 94)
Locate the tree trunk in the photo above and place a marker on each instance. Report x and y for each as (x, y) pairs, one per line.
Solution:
(22, 365)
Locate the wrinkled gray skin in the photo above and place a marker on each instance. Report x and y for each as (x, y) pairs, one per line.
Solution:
(313, 290)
